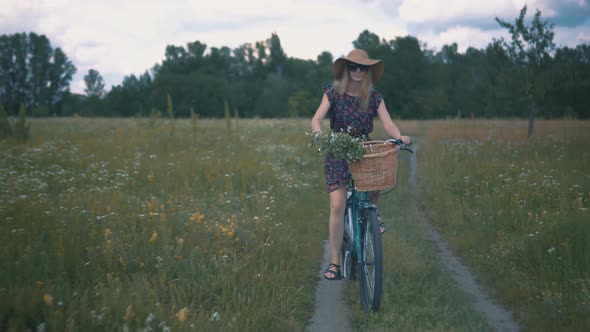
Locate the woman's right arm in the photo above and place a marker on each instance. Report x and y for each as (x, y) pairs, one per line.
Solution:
(320, 113)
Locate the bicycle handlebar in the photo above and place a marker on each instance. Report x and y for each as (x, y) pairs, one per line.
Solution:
(401, 144)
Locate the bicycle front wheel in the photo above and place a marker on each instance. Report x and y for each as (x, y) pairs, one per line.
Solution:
(371, 265)
(347, 256)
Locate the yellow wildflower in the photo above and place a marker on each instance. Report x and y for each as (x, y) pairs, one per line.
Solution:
(228, 231)
(154, 237)
(107, 233)
(181, 315)
(197, 217)
(48, 299)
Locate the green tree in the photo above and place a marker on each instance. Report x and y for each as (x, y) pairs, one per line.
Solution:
(22, 128)
(133, 97)
(530, 49)
(504, 79)
(94, 93)
(302, 104)
(367, 41)
(571, 72)
(406, 78)
(94, 84)
(38, 67)
(273, 98)
(13, 71)
(277, 57)
(5, 125)
(324, 66)
(500, 87)
(32, 73)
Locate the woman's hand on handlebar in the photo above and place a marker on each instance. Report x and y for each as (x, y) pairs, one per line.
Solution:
(402, 140)
(406, 140)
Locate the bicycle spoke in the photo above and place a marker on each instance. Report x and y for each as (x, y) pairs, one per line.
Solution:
(368, 267)
(370, 282)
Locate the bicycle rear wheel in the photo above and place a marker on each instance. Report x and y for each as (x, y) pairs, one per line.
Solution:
(371, 265)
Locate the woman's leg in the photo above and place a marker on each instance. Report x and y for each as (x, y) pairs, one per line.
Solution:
(336, 227)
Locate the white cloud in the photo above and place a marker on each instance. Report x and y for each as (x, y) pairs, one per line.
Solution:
(572, 36)
(465, 37)
(130, 37)
(425, 11)
(448, 12)
(582, 37)
(120, 38)
(306, 28)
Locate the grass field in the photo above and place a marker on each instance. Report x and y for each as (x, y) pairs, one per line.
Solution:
(418, 294)
(128, 224)
(516, 210)
(138, 224)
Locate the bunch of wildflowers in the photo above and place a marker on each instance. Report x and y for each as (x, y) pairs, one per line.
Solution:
(340, 145)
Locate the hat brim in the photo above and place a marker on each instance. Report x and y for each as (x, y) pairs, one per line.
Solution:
(376, 66)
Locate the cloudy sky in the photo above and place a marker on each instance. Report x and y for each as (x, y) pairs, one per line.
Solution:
(123, 37)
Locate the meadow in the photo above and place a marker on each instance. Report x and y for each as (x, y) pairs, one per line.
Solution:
(516, 209)
(199, 224)
(135, 224)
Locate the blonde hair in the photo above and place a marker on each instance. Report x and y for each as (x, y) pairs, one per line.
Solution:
(342, 84)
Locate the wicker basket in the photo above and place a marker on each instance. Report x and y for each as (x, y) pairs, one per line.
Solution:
(378, 168)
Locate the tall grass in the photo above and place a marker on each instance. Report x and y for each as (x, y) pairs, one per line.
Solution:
(418, 293)
(118, 225)
(115, 224)
(517, 210)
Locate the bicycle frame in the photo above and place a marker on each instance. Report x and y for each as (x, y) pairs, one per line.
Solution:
(356, 203)
(361, 244)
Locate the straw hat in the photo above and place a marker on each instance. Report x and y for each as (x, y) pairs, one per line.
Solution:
(361, 57)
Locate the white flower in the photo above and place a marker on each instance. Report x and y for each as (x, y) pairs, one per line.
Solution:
(150, 318)
(215, 317)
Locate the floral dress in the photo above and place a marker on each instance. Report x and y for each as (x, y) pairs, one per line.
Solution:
(345, 111)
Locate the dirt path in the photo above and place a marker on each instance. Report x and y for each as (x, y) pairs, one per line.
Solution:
(498, 317)
(331, 308)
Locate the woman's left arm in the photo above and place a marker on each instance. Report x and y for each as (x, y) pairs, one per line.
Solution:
(390, 127)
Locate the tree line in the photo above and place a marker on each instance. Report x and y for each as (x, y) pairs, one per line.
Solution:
(508, 78)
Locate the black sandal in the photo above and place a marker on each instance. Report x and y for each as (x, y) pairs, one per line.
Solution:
(381, 225)
(335, 273)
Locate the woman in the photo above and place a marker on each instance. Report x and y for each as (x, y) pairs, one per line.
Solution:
(352, 102)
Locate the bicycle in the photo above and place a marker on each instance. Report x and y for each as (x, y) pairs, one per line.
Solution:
(361, 246)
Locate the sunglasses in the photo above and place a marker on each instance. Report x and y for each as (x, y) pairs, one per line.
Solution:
(354, 66)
